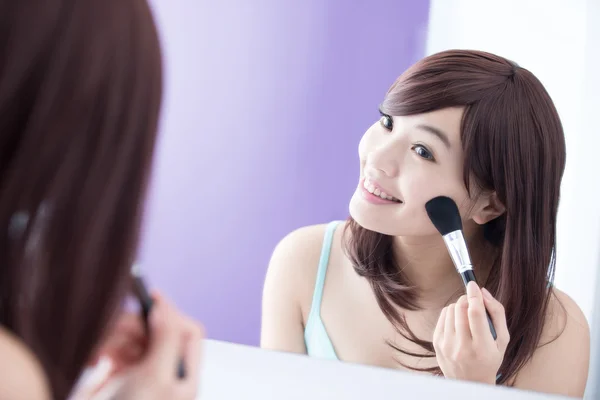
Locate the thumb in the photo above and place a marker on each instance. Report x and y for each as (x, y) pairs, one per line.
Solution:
(498, 316)
(164, 340)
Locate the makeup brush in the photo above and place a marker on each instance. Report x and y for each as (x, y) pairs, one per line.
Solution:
(444, 214)
(146, 302)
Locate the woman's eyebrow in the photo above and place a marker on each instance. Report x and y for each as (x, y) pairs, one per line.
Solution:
(435, 131)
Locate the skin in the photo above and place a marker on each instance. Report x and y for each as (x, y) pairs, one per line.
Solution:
(401, 156)
(21, 375)
(142, 366)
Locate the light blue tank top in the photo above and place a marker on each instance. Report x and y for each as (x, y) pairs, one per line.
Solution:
(317, 341)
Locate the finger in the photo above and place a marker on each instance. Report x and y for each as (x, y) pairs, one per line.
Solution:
(121, 340)
(127, 331)
(463, 331)
(124, 348)
(191, 330)
(449, 324)
(498, 316)
(128, 324)
(159, 298)
(127, 357)
(131, 323)
(192, 354)
(165, 339)
(480, 329)
(438, 333)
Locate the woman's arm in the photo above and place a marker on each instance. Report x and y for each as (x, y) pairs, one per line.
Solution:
(288, 285)
(21, 375)
(561, 366)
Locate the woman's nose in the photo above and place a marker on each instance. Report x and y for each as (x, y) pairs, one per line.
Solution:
(385, 159)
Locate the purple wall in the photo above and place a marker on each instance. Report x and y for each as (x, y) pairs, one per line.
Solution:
(265, 105)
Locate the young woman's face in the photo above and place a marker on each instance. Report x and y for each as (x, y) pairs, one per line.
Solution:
(405, 162)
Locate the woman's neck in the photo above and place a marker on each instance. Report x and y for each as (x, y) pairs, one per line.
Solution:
(426, 264)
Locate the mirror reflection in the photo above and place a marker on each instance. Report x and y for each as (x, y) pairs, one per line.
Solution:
(293, 218)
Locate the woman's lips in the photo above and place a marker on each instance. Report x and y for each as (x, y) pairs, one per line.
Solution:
(374, 193)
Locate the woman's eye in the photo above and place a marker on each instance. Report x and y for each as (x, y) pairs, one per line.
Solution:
(423, 152)
(387, 122)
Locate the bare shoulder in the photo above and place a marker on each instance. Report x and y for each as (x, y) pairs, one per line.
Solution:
(304, 242)
(565, 317)
(288, 289)
(560, 364)
(293, 266)
(21, 375)
(296, 258)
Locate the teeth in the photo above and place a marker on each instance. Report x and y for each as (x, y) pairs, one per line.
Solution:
(377, 192)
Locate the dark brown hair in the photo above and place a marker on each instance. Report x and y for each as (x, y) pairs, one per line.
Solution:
(514, 145)
(80, 92)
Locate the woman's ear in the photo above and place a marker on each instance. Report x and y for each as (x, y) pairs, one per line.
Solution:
(488, 208)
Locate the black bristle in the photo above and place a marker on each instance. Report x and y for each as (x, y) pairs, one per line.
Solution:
(444, 214)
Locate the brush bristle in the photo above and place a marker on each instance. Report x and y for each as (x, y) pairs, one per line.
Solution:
(444, 214)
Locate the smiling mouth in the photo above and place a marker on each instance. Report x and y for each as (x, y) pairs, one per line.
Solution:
(374, 190)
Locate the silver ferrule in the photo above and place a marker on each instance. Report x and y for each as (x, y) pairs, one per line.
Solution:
(457, 247)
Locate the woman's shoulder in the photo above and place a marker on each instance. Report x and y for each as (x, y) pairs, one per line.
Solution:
(561, 361)
(21, 375)
(563, 311)
(303, 246)
(295, 259)
(564, 323)
(306, 241)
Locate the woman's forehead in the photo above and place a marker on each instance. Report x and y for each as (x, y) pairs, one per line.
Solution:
(446, 120)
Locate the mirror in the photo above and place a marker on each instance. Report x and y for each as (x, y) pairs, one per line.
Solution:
(266, 103)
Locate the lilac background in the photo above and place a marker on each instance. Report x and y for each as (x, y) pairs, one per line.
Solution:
(265, 104)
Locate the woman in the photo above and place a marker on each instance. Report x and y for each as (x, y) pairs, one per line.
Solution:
(80, 92)
(381, 289)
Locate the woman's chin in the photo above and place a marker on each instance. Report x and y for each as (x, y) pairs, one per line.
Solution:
(372, 219)
(382, 220)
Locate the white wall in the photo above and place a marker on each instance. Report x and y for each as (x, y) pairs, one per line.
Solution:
(590, 172)
(553, 39)
(559, 41)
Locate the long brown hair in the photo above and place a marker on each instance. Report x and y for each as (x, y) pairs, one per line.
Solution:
(514, 145)
(80, 92)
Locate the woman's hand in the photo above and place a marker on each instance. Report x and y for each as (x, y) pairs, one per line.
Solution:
(465, 348)
(146, 367)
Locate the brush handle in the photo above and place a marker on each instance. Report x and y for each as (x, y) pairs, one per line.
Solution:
(468, 276)
(146, 302)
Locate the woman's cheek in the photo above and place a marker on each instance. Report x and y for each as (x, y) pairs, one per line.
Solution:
(366, 143)
(362, 148)
(420, 187)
